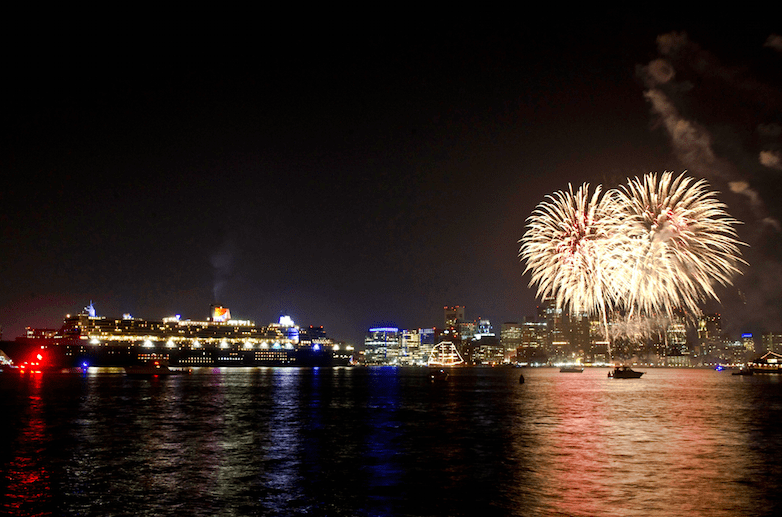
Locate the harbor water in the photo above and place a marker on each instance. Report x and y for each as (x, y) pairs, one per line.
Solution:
(389, 441)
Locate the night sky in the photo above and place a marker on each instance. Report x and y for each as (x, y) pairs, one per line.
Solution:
(353, 177)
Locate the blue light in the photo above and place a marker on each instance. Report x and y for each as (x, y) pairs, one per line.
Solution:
(316, 347)
(746, 335)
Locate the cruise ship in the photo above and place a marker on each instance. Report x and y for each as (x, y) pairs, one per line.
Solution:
(86, 338)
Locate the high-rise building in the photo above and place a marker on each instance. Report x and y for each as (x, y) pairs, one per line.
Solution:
(557, 326)
(598, 343)
(453, 315)
(484, 329)
(510, 336)
(467, 330)
(772, 342)
(579, 333)
(709, 334)
(676, 334)
(533, 342)
(677, 337)
(748, 340)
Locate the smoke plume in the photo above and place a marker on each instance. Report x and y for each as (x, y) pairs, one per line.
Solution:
(723, 124)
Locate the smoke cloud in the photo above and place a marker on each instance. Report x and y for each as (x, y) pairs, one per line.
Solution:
(705, 108)
(774, 41)
(223, 265)
(771, 159)
(692, 142)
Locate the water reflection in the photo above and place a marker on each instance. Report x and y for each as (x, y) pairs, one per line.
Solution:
(385, 441)
(28, 489)
(630, 448)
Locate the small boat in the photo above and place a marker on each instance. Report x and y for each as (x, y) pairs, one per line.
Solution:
(743, 371)
(153, 367)
(624, 372)
(438, 375)
(571, 369)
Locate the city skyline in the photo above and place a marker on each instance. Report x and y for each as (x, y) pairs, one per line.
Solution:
(376, 179)
(558, 325)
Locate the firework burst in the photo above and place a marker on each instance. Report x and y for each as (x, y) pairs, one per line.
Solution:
(682, 243)
(646, 250)
(569, 248)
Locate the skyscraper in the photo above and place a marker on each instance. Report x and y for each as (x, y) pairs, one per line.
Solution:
(453, 315)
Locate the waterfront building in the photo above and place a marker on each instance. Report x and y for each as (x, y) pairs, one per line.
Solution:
(677, 360)
(411, 348)
(734, 352)
(428, 337)
(485, 350)
(382, 346)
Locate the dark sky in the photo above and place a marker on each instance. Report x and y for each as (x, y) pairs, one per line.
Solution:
(353, 177)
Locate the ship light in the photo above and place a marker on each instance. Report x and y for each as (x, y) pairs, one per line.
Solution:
(94, 341)
(148, 344)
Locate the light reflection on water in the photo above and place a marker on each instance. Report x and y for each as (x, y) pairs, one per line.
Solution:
(384, 441)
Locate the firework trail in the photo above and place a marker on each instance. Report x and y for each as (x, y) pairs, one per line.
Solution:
(683, 243)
